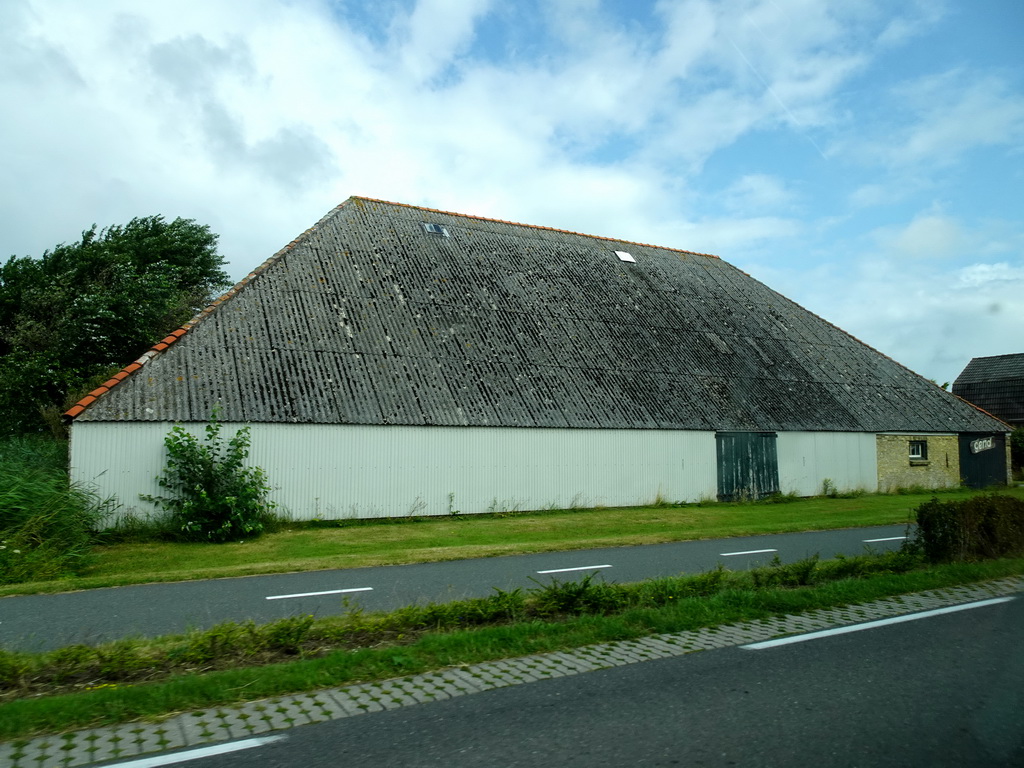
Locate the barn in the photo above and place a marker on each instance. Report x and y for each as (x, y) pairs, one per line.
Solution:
(995, 384)
(396, 360)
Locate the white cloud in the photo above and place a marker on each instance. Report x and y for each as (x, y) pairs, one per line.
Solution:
(919, 292)
(957, 111)
(929, 236)
(188, 107)
(735, 238)
(1001, 273)
(935, 120)
(257, 123)
(435, 33)
(690, 35)
(758, 192)
(920, 16)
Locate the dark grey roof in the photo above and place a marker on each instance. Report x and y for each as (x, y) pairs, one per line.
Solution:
(995, 384)
(369, 319)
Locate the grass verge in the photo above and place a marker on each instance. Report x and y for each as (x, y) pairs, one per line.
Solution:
(353, 544)
(418, 639)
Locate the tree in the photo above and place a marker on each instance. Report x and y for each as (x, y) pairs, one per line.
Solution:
(72, 317)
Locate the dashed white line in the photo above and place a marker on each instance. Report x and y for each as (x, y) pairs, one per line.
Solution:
(582, 568)
(318, 594)
(198, 754)
(748, 552)
(873, 624)
(890, 538)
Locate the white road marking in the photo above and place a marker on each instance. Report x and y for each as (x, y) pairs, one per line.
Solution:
(583, 568)
(197, 754)
(749, 552)
(873, 624)
(891, 538)
(317, 594)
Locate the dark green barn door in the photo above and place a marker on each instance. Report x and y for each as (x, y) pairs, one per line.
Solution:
(748, 465)
(982, 459)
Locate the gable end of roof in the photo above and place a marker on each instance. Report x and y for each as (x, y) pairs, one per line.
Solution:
(78, 408)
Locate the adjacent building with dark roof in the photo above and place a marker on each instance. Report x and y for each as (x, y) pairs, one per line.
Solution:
(401, 360)
(995, 384)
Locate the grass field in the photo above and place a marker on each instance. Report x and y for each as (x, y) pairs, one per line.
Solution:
(390, 542)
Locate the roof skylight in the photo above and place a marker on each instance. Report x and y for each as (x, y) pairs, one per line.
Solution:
(436, 229)
(623, 256)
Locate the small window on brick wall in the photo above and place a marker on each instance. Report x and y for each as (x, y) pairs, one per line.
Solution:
(918, 450)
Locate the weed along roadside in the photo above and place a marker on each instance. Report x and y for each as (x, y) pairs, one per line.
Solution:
(132, 557)
(82, 686)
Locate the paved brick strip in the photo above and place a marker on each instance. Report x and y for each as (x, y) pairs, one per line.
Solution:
(121, 742)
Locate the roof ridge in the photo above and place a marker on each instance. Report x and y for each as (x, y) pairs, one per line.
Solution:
(993, 357)
(530, 226)
(676, 250)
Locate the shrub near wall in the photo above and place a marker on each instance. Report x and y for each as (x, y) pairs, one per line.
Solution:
(985, 526)
(214, 495)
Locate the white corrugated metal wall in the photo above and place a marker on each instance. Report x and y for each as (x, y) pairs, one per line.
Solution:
(848, 459)
(347, 471)
(372, 471)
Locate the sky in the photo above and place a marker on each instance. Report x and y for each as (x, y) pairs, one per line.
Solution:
(865, 158)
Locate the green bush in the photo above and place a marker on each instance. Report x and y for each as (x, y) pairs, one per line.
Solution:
(214, 496)
(585, 596)
(46, 523)
(778, 574)
(14, 668)
(981, 527)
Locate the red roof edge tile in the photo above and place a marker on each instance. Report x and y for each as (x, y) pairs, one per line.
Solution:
(123, 374)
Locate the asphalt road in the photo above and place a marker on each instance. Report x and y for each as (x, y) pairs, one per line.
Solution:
(941, 691)
(40, 622)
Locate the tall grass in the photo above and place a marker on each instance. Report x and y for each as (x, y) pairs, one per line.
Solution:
(46, 524)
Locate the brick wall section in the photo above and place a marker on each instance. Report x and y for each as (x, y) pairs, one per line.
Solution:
(896, 470)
